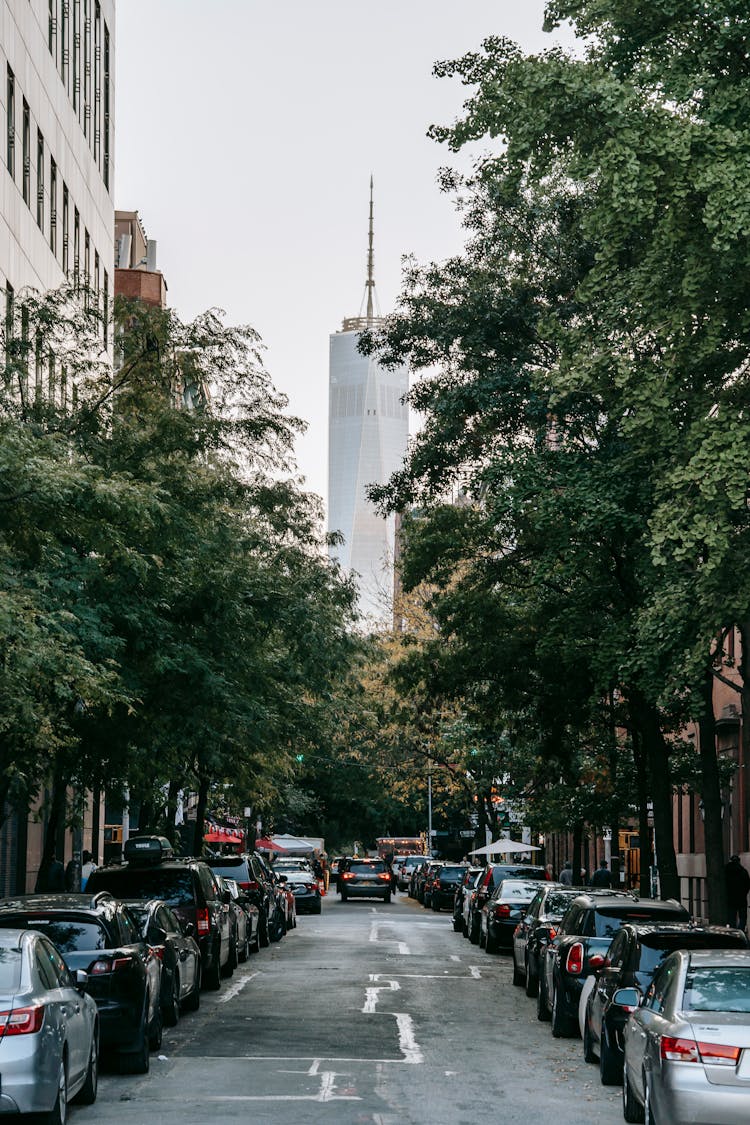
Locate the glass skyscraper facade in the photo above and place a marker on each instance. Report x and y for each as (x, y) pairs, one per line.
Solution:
(368, 429)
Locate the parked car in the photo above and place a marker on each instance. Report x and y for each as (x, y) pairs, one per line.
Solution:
(502, 912)
(305, 887)
(535, 931)
(365, 878)
(256, 882)
(687, 1044)
(468, 882)
(634, 956)
(408, 865)
(287, 903)
(432, 875)
(49, 1047)
(188, 887)
(581, 945)
(423, 879)
(244, 916)
(444, 885)
(179, 954)
(97, 935)
(493, 875)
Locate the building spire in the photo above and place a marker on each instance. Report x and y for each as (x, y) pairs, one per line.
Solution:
(370, 283)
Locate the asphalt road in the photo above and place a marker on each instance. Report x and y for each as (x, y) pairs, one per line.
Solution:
(367, 1013)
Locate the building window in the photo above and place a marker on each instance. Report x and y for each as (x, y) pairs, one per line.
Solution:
(105, 309)
(97, 279)
(64, 35)
(11, 125)
(97, 82)
(76, 246)
(87, 70)
(63, 387)
(53, 207)
(106, 106)
(65, 228)
(39, 180)
(76, 55)
(87, 263)
(52, 28)
(26, 154)
(38, 367)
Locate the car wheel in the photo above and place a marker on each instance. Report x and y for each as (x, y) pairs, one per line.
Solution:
(387, 897)
(491, 943)
(276, 927)
(231, 964)
(458, 925)
(212, 976)
(464, 927)
(263, 936)
(344, 896)
(589, 1055)
(59, 1114)
(561, 1025)
(474, 930)
(155, 1030)
(245, 950)
(482, 937)
(136, 1060)
(170, 1012)
(192, 1001)
(531, 982)
(519, 976)
(87, 1093)
(610, 1063)
(648, 1108)
(632, 1110)
(542, 1009)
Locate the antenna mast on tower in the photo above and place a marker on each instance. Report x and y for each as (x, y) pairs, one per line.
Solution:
(370, 283)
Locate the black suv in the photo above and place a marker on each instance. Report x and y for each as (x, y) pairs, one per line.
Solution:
(95, 933)
(634, 956)
(582, 944)
(364, 878)
(187, 886)
(255, 881)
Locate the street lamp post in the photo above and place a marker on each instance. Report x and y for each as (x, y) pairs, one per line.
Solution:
(429, 805)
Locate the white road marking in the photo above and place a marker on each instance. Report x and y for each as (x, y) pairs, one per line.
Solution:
(375, 928)
(236, 988)
(314, 1067)
(371, 995)
(406, 1041)
(475, 972)
(403, 948)
(326, 1093)
(455, 957)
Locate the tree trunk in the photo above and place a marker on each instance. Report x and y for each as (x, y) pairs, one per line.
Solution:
(170, 811)
(644, 882)
(744, 762)
(711, 797)
(646, 719)
(55, 822)
(577, 845)
(200, 815)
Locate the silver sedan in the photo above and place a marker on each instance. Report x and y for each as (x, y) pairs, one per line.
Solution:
(49, 1032)
(687, 1044)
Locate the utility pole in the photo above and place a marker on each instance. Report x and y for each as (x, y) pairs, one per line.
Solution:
(429, 805)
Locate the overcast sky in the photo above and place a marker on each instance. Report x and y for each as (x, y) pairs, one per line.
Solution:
(246, 132)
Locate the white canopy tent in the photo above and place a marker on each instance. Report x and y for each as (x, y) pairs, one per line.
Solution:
(505, 847)
(294, 845)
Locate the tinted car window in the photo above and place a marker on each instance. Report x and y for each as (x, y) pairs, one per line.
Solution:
(140, 916)
(58, 966)
(365, 868)
(44, 967)
(173, 885)
(208, 884)
(10, 970)
(452, 872)
(68, 934)
(128, 929)
(233, 868)
(656, 947)
(717, 990)
(555, 904)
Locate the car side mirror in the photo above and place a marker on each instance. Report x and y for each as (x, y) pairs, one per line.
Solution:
(627, 999)
(226, 897)
(189, 929)
(81, 980)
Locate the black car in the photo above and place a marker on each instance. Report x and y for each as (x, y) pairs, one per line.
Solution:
(179, 954)
(582, 943)
(634, 956)
(304, 885)
(468, 882)
(364, 878)
(502, 912)
(255, 881)
(97, 934)
(444, 885)
(187, 886)
(535, 931)
(493, 875)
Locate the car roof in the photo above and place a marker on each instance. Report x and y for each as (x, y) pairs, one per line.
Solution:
(47, 903)
(647, 929)
(11, 939)
(648, 905)
(718, 958)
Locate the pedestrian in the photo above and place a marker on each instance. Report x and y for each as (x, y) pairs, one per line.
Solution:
(602, 877)
(73, 875)
(738, 884)
(53, 879)
(566, 875)
(87, 867)
(549, 873)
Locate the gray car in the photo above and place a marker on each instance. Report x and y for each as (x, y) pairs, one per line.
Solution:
(49, 1029)
(687, 1044)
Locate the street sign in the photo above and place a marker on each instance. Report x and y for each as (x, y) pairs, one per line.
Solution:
(467, 833)
(433, 831)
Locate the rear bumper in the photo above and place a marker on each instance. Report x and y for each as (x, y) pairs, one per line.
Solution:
(29, 1066)
(682, 1095)
(444, 899)
(354, 891)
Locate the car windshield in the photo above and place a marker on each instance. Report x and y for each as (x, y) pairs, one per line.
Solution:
(512, 890)
(70, 935)
(607, 925)
(10, 970)
(714, 989)
(173, 886)
(656, 947)
(236, 870)
(453, 873)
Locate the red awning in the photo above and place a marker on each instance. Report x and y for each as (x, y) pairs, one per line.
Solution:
(224, 836)
(265, 845)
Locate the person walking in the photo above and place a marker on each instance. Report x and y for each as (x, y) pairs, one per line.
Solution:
(602, 877)
(738, 884)
(87, 868)
(566, 875)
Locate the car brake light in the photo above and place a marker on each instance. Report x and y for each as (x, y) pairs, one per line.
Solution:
(574, 960)
(502, 911)
(104, 965)
(348, 875)
(158, 951)
(719, 1054)
(596, 961)
(202, 923)
(679, 1050)
(552, 933)
(384, 876)
(21, 1021)
(98, 967)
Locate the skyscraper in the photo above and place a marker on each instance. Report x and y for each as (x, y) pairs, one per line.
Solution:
(368, 429)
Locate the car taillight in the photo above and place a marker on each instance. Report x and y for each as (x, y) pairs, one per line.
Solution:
(690, 1051)
(384, 876)
(21, 1021)
(574, 960)
(596, 961)
(158, 951)
(552, 933)
(104, 965)
(348, 875)
(202, 922)
(502, 911)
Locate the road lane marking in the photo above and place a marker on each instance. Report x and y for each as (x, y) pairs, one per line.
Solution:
(326, 1093)
(455, 957)
(475, 972)
(236, 988)
(371, 995)
(406, 1041)
(314, 1067)
(375, 928)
